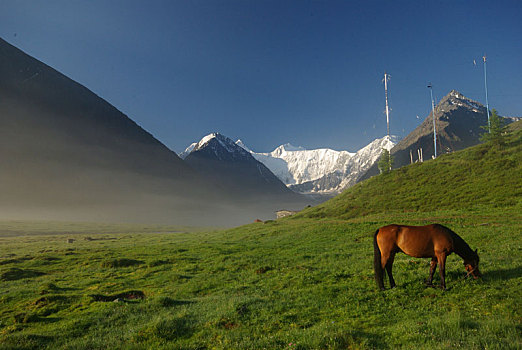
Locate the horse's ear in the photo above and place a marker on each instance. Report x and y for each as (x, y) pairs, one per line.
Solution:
(476, 251)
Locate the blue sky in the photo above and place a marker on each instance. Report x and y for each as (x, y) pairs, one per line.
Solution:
(270, 72)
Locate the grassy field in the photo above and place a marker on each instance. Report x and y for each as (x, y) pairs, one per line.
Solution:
(295, 284)
(304, 282)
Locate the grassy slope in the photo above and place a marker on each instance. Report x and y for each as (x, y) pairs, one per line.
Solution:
(305, 281)
(475, 177)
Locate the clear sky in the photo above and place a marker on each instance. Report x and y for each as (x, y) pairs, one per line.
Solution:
(270, 72)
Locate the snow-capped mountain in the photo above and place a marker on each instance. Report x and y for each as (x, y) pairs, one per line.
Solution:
(221, 148)
(232, 167)
(295, 165)
(340, 179)
(320, 170)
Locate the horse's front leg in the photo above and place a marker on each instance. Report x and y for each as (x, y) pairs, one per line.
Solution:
(442, 270)
(433, 266)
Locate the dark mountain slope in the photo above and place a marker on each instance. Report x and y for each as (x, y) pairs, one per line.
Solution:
(38, 101)
(68, 154)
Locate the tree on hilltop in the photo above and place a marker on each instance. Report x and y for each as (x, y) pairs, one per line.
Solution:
(495, 131)
(385, 162)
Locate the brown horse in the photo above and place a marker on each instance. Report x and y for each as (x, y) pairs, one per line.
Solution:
(430, 241)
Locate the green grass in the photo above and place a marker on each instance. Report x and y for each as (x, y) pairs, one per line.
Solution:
(304, 282)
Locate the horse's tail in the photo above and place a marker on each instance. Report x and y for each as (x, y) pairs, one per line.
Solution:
(377, 264)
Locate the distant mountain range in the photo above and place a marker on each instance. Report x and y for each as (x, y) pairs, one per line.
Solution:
(321, 171)
(327, 172)
(324, 171)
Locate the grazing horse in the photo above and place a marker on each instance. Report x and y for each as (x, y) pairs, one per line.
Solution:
(430, 241)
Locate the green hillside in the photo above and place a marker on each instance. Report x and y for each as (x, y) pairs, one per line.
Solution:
(304, 282)
(470, 179)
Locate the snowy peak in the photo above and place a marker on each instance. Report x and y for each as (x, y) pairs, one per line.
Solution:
(287, 147)
(455, 99)
(342, 178)
(224, 141)
(321, 170)
(205, 140)
(377, 145)
(294, 165)
(220, 146)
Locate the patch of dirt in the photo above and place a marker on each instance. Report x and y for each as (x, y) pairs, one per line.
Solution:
(263, 269)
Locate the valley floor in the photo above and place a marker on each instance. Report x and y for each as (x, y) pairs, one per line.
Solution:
(293, 283)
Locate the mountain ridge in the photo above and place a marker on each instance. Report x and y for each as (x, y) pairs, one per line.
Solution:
(320, 171)
(339, 180)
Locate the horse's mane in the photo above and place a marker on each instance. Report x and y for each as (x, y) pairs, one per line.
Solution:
(461, 247)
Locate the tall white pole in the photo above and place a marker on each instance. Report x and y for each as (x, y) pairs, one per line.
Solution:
(486, 88)
(386, 78)
(433, 114)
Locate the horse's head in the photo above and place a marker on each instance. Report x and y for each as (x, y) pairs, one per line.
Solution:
(472, 265)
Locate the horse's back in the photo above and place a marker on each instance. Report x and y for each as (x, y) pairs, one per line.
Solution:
(417, 241)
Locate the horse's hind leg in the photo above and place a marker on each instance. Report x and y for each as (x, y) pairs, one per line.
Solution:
(388, 266)
(433, 266)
